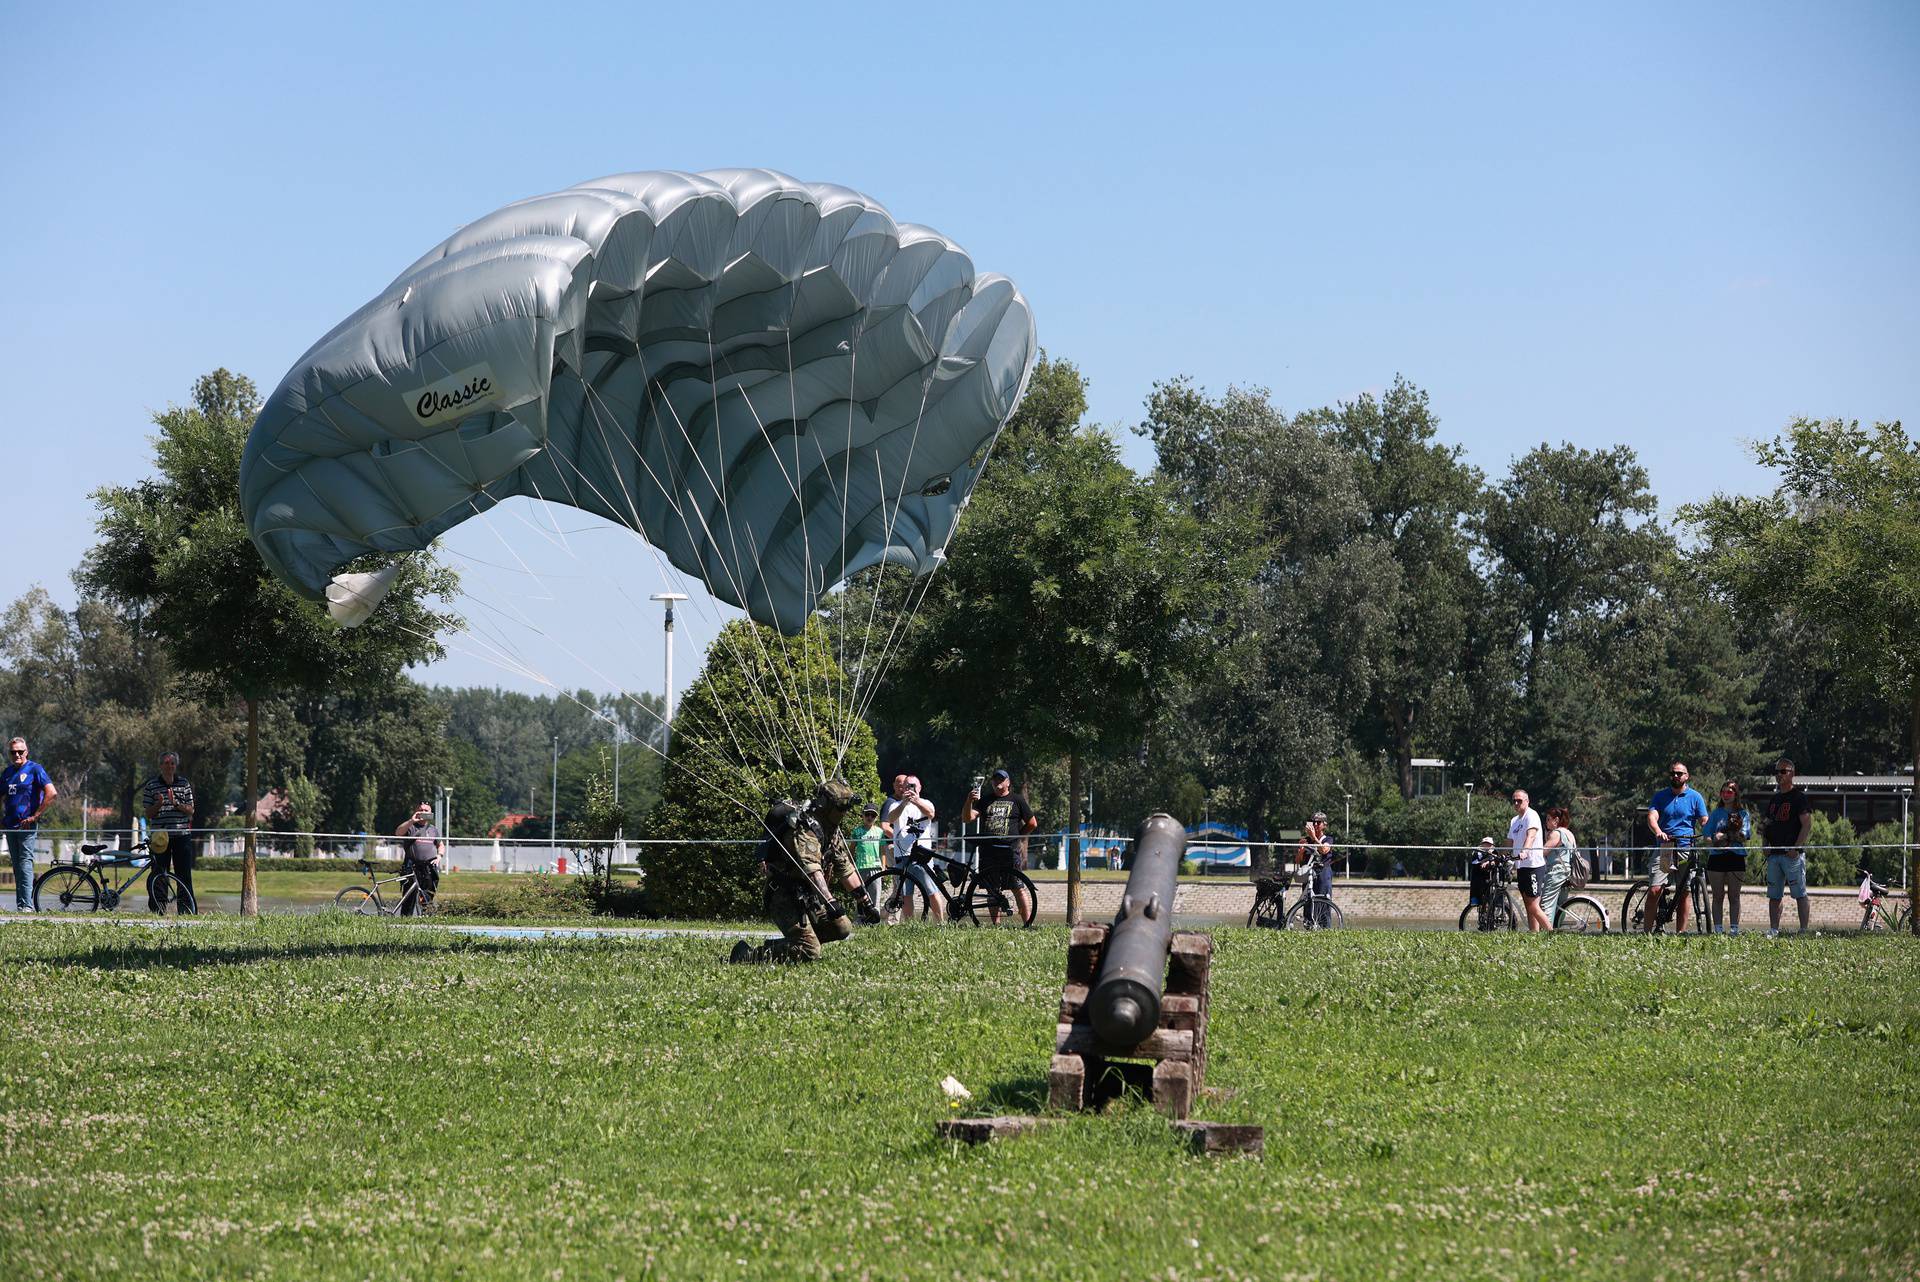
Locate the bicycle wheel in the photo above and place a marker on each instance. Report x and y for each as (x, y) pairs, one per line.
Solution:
(1470, 916)
(1314, 913)
(358, 899)
(1268, 911)
(1702, 920)
(169, 894)
(1633, 909)
(897, 897)
(65, 888)
(1581, 915)
(982, 901)
(1502, 914)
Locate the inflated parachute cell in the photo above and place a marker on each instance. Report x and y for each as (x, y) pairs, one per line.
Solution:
(772, 381)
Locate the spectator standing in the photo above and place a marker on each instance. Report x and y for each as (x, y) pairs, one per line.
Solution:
(1004, 817)
(904, 820)
(419, 860)
(1789, 822)
(1527, 839)
(867, 843)
(1559, 849)
(168, 800)
(29, 793)
(1315, 852)
(1676, 814)
(1727, 830)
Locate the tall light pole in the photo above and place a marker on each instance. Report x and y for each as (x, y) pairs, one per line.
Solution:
(446, 813)
(666, 726)
(1906, 842)
(1469, 788)
(1346, 830)
(553, 797)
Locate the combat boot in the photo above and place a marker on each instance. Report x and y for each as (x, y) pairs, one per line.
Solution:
(742, 954)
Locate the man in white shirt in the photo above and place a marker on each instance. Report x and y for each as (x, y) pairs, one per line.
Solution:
(905, 819)
(1529, 845)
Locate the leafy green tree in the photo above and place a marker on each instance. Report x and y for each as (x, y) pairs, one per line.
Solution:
(1834, 551)
(1572, 535)
(760, 724)
(1297, 598)
(1419, 496)
(303, 812)
(1067, 611)
(176, 549)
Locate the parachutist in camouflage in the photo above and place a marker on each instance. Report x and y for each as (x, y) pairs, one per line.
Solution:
(804, 854)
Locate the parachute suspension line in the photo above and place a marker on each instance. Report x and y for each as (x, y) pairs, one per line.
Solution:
(718, 489)
(797, 489)
(770, 731)
(767, 722)
(803, 718)
(773, 671)
(604, 499)
(940, 559)
(891, 518)
(517, 663)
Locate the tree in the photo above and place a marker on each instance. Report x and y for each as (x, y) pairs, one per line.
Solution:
(1419, 497)
(1832, 553)
(761, 723)
(1300, 596)
(1067, 612)
(176, 548)
(1572, 534)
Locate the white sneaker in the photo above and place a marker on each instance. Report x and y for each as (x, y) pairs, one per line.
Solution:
(1774, 933)
(1733, 930)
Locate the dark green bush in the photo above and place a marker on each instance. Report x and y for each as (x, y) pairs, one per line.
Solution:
(1428, 821)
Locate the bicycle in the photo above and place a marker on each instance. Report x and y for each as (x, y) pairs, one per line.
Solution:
(88, 884)
(1310, 911)
(1688, 878)
(1874, 912)
(1496, 909)
(982, 899)
(367, 901)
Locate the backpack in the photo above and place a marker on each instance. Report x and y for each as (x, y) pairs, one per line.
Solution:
(782, 821)
(1579, 867)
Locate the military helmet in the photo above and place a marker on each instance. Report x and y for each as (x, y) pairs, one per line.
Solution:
(834, 794)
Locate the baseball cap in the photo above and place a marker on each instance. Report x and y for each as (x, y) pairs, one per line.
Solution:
(1000, 774)
(870, 810)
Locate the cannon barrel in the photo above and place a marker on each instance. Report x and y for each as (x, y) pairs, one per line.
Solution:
(1124, 1005)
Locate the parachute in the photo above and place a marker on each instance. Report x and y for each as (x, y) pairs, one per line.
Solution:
(774, 382)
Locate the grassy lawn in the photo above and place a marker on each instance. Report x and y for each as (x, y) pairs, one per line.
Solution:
(327, 1097)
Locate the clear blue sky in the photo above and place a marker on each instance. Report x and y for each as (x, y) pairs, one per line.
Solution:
(1668, 226)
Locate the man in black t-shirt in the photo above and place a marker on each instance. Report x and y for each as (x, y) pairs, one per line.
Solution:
(1788, 820)
(1004, 818)
(168, 801)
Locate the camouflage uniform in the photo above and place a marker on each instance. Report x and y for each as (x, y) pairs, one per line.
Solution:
(815, 849)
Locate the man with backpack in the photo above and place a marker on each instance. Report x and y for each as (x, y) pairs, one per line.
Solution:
(804, 853)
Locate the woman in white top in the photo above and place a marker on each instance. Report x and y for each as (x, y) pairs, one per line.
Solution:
(1529, 857)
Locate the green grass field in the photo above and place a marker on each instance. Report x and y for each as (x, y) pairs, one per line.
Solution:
(334, 1098)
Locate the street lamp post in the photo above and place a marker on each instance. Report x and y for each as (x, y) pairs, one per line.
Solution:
(1346, 831)
(1906, 842)
(446, 813)
(666, 725)
(553, 798)
(1469, 788)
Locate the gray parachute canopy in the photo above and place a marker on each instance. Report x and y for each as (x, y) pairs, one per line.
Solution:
(772, 381)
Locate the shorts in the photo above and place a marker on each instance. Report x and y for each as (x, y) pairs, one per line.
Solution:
(1727, 859)
(1659, 864)
(1529, 881)
(998, 864)
(1786, 874)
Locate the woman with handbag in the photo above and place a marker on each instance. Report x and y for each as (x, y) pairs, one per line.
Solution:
(1561, 847)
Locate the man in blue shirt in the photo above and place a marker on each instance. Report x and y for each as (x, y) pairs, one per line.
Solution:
(29, 792)
(1675, 815)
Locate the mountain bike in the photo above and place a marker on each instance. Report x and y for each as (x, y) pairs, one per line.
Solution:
(1312, 910)
(1876, 913)
(1496, 909)
(1689, 878)
(92, 884)
(977, 897)
(367, 901)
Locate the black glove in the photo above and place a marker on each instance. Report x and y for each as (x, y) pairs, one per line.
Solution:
(869, 915)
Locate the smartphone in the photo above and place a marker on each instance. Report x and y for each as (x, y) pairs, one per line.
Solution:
(979, 782)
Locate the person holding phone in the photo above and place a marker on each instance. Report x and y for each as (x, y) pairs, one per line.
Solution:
(905, 820)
